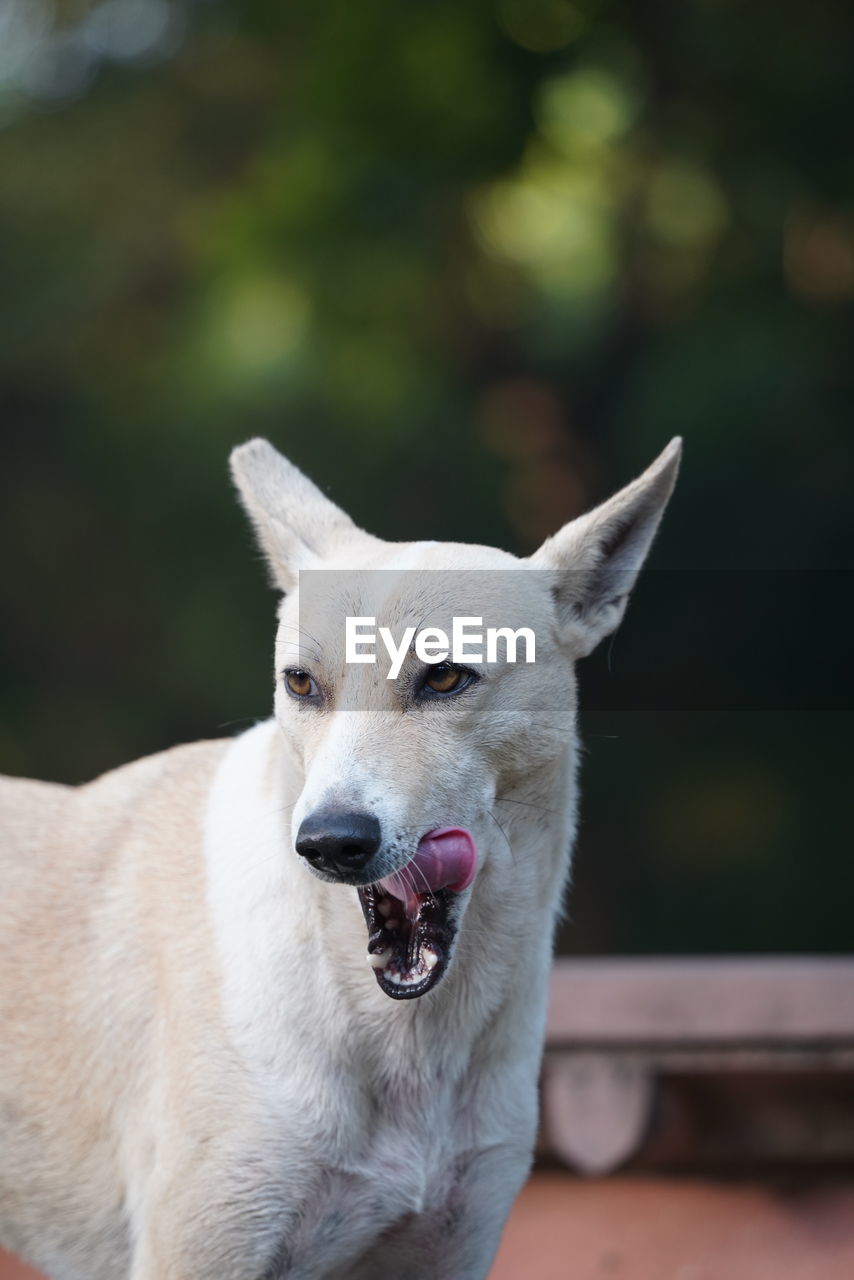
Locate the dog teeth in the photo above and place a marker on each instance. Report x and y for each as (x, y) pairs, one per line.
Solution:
(430, 957)
(400, 981)
(378, 959)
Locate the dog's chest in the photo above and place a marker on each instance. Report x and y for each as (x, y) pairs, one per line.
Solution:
(400, 1178)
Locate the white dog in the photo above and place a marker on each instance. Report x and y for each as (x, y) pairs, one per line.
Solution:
(202, 1075)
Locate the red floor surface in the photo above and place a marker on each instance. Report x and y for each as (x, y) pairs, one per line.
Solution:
(663, 1229)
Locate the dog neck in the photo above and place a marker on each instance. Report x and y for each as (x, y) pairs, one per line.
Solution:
(291, 949)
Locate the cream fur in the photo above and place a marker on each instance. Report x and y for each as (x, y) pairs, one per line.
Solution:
(200, 1076)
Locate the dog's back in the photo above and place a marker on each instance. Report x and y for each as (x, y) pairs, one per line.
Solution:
(80, 871)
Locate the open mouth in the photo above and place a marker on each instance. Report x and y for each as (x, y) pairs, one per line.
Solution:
(409, 914)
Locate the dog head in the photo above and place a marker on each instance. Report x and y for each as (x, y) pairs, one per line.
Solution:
(407, 750)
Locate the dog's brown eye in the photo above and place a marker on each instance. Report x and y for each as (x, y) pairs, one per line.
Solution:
(300, 683)
(446, 679)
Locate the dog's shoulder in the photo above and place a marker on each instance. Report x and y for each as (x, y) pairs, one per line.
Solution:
(154, 803)
(68, 836)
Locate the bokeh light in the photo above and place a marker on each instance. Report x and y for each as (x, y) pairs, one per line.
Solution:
(51, 53)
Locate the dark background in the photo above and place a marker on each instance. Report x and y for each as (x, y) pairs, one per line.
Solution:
(470, 265)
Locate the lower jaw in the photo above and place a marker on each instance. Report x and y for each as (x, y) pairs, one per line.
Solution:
(407, 989)
(410, 957)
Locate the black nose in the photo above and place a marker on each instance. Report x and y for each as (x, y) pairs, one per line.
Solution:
(338, 841)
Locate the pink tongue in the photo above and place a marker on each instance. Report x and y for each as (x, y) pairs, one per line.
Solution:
(445, 859)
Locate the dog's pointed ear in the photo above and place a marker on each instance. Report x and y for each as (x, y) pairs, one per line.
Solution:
(295, 524)
(596, 558)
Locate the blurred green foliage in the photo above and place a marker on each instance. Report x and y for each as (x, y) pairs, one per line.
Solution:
(470, 266)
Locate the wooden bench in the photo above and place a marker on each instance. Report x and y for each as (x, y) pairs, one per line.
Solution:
(769, 1037)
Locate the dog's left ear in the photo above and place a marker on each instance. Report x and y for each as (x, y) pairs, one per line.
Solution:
(596, 558)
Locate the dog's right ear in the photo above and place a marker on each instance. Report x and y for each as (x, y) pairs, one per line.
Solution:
(295, 524)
